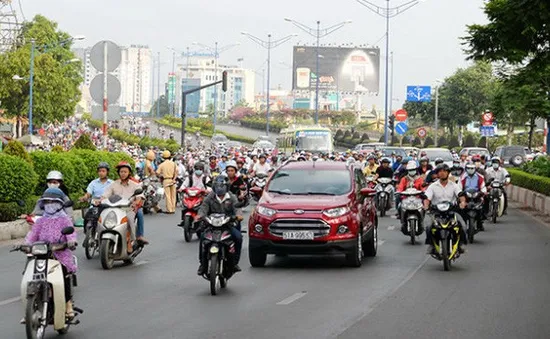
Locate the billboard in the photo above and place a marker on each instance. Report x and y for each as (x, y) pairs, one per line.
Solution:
(341, 69)
(193, 99)
(171, 88)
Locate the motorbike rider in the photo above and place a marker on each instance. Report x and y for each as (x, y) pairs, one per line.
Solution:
(198, 179)
(125, 188)
(213, 165)
(261, 166)
(457, 171)
(371, 166)
(425, 166)
(384, 171)
(497, 172)
(48, 229)
(412, 179)
(479, 168)
(220, 200)
(222, 163)
(432, 175)
(95, 189)
(440, 191)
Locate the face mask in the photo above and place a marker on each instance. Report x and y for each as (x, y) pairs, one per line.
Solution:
(52, 208)
(198, 173)
(456, 165)
(412, 173)
(496, 166)
(471, 171)
(51, 185)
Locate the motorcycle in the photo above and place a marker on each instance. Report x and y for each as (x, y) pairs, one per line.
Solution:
(259, 181)
(180, 194)
(91, 240)
(114, 233)
(445, 234)
(219, 248)
(474, 214)
(412, 214)
(43, 289)
(371, 183)
(192, 201)
(496, 203)
(384, 191)
(153, 194)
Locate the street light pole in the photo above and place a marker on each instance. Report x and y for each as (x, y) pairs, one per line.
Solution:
(269, 44)
(388, 13)
(436, 114)
(31, 84)
(317, 33)
(158, 86)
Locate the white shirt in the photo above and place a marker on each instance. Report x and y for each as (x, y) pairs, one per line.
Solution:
(438, 193)
(501, 174)
(259, 168)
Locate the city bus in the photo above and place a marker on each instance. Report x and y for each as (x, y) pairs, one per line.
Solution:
(312, 139)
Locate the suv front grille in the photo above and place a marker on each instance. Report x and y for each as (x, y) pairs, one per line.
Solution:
(318, 227)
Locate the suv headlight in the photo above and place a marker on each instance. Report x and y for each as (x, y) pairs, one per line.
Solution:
(265, 211)
(110, 220)
(336, 212)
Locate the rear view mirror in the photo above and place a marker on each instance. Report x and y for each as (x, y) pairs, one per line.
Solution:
(67, 230)
(68, 203)
(368, 192)
(138, 191)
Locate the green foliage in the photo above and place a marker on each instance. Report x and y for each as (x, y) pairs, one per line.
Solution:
(530, 181)
(17, 149)
(57, 149)
(365, 138)
(56, 80)
(429, 141)
(259, 123)
(339, 135)
(442, 141)
(482, 142)
(176, 123)
(84, 142)
(18, 178)
(469, 141)
(539, 166)
(453, 142)
(164, 107)
(416, 142)
(44, 162)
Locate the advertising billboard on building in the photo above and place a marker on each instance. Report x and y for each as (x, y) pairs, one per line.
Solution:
(341, 69)
(171, 88)
(193, 99)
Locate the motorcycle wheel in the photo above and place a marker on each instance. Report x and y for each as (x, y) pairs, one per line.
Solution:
(90, 250)
(105, 251)
(213, 274)
(382, 208)
(495, 213)
(412, 231)
(187, 229)
(445, 250)
(33, 314)
(471, 230)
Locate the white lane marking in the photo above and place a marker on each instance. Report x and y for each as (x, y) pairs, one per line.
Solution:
(143, 262)
(9, 301)
(391, 228)
(292, 298)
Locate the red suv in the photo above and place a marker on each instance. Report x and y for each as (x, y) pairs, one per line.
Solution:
(314, 207)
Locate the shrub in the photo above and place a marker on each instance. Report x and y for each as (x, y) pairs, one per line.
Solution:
(17, 149)
(469, 141)
(365, 138)
(58, 149)
(339, 135)
(44, 162)
(381, 139)
(417, 142)
(18, 179)
(530, 181)
(482, 142)
(347, 134)
(539, 166)
(84, 142)
(453, 142)
(442, 141)
(356, 136)
(429, 142)
(90, 159)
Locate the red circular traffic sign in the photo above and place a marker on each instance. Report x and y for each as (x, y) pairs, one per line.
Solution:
(488, 117)
(421, 132)
(401, 115)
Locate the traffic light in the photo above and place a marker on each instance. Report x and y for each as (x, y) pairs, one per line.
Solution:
(224, 81)
(391, 127)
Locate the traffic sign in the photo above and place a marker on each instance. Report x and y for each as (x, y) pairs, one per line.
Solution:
(113, 88)
(488, 117)
(401, 128)
(487, 131)
(401, 115)
(419, 93)
(422, 132)
(97, 55)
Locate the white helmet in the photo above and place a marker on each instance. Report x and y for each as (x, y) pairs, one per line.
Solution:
(232, 163)
(411, 165)
(54, 175)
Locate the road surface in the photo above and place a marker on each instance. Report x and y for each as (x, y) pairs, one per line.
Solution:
(499, 289)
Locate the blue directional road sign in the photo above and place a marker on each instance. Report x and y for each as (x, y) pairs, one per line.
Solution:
(401, 128)
(487, 131)
(419, 93)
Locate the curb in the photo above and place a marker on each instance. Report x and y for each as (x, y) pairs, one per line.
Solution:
(19, 228)
(527, 198)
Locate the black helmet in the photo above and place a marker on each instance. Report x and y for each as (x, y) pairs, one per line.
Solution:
(199, 166)
(220, 185)
(438, 161)
(442, 167)
(103, 164)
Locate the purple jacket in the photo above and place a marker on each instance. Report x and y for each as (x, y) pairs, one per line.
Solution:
(49, 230)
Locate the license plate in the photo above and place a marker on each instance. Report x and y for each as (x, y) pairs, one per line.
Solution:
(298, 235)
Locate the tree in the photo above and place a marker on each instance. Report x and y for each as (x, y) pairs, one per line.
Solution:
(56, 79)
(164, 107)
(424, 111)
(84, 142)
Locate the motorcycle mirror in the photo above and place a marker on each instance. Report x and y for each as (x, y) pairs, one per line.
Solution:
(138, 191)
(67, 230)
(68, 203)
(368, 192)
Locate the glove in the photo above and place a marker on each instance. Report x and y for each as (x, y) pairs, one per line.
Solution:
(72, 245)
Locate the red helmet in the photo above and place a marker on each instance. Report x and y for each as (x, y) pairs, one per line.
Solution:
(123, 164)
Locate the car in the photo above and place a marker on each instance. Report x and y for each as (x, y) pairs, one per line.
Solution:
(388, 151)
(264, 145)
(434, 153)
(368, 148)
(310, 207)
(470, 151)
(511, 155)
(234, 144)
(408, 150)
(219, 140)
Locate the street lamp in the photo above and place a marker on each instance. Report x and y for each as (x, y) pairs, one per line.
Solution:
(318, 33)
(268, 44)
(31, 73)
(216, 50)
(437, 84)
(388, 12)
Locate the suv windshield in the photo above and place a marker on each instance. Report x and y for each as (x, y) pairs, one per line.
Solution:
(322, 182)
(434, 154)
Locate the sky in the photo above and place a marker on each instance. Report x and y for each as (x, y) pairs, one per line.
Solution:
(425, 39)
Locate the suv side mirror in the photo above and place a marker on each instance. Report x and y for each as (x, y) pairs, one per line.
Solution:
(368, 192)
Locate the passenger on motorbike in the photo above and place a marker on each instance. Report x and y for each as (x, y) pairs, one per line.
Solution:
(54, 179)
(237, 186)
(441, 191)
(411, 180)
(479, 166)
(371, 166)
(48, 229)
(497, 172)
(221, 201)
(125, 188)
(425, 166)
(457, 171)
(432, 175)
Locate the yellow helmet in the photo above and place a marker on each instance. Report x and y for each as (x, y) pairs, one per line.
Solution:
(166, 154)
(150, 155)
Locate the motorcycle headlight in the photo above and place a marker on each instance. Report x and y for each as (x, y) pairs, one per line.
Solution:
(218, 221)
(110, 220)
(379, 188)
(443, 207)
(496, 184)
(336, 212)
(192, 193)
(268, 212)
(388, 188)
(39, 249)
(412, 204)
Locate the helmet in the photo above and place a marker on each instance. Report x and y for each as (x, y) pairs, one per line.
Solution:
(470, 168)
(496, 159)
(262, 156)
(220, 185)
(123, 164)
(386, 160)
(213, 157)
(456, 163)
(166, 154)
(371, 157)
(438, 161)
(150, 156)
(231, 163)
(442, 167)
(54, 175)
(406, 160)
(424, 158)
(411, 165)
(52, 194)
(199, 166)
(103, 164)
